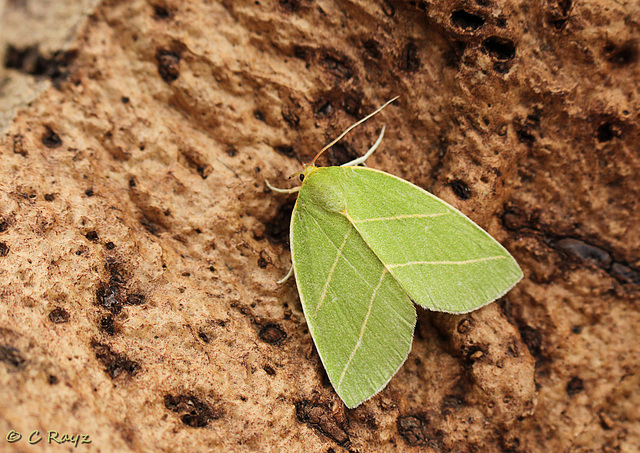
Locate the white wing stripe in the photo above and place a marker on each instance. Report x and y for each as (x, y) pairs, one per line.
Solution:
(364, 326)
(475, 260)
(333, 268)
(406, 216)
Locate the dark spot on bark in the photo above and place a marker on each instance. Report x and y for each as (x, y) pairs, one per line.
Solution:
(559, 13)
(290, 116)
(112, 295)
(323, 109)
(58, 315)
(420, 4)
(277, 229)
(511, 445)
(524, 136)
(4, 249)
(49, 197)
(269, 370)
(50, 139)
(194, 412)
(464, 326)
(106, 325)
(301, 52)
(259, 115)
(161, 13)
(168, 65)
(203, 336)
(584, 252)
(30, 61)
(92, 236)
(134, 299)
(272, 333)
(89, 193)
(337, 65)
(575, 386)
(372, 48)
(124, 99)
(622, 54)
(576, 329)
(565, 6)
(4, 224)
(352, 104)
(466, 20)
(460, 189)
(262, 262)
(18, 145)
(453, 401)
(290, 5)
(501, 49)
(114, 363)
(533, 340)
(110, 245)
(52, 380)
(607, 131)
(524, 130)
(625, 274)
(514, 219)
(11, 356)
(132, 183)
(323, 421)
(287, 150)
(411, 429)
(409, 59)
(473, 353)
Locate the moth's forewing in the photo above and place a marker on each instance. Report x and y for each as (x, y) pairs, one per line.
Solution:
(360, 319)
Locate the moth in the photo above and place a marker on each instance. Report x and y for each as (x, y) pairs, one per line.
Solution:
(367, 245)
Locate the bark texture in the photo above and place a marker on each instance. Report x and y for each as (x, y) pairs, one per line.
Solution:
(139, 247)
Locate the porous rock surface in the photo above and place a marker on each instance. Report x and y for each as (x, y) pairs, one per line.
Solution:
(139, 247)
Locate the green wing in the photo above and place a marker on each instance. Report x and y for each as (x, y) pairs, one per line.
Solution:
(443, 260)
(359, 317)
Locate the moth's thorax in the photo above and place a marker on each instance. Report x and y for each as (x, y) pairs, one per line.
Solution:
(321, 188)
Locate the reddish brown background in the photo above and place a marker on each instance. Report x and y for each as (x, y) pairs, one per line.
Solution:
(139, 247)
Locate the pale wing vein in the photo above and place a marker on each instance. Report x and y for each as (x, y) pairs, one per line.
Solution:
(475, 260)
(397, 217)
(355, 269)
(333, 268)
(362, 330)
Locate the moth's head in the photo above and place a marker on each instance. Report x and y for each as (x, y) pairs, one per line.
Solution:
(307, 169)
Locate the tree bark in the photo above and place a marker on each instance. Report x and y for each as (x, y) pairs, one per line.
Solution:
(140, 248)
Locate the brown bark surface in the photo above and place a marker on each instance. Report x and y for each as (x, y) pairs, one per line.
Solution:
(140, 248)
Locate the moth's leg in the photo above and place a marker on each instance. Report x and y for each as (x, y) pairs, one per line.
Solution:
(362, 159)
(275, 189)
(286, 277)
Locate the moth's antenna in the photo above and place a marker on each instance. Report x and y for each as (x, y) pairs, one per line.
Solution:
(313, 162)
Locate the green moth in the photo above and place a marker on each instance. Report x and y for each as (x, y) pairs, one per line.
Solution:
(366, 245)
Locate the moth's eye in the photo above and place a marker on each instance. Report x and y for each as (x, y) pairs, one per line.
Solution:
(301, 177)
